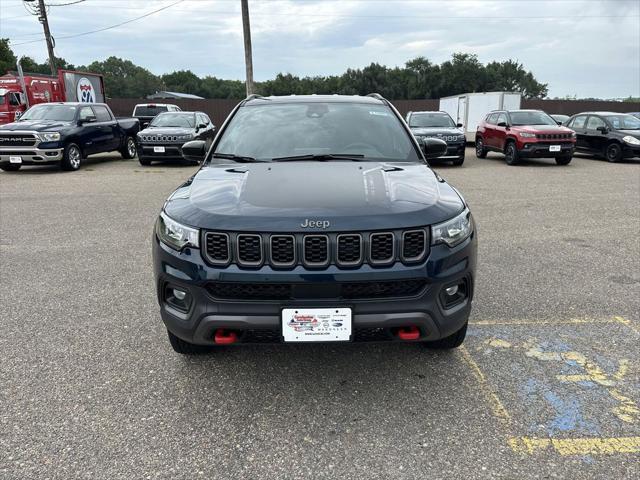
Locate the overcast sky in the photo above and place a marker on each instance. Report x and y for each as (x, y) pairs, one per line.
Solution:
(588, 48)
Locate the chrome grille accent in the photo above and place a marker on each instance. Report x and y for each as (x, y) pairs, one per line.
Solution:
(217, 248)
(349, 249)
(283, 250)
(315, 250)
(249, 250)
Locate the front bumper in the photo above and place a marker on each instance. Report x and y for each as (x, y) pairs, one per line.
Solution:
(541, 150)
(374, 318)
(32, 156)
(630, 151)
(172, 151)
(454, 151)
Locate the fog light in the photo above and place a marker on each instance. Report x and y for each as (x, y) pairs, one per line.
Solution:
(177, 298)
(449, 291)
(453, 295)
(180, 295)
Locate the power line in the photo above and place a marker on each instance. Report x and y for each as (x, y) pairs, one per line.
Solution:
(106, 28)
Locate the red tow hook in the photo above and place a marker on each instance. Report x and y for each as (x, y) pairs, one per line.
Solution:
(225, 337)
(408, 333)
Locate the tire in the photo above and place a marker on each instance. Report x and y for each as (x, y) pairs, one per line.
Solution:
(72, 158)
(458, 162)
(452, 341)
(481, 152)
(129, 150)
(145, 162)
(564, 159)
(186, 348)
(10, 167)
(511, 154)
(613, 152)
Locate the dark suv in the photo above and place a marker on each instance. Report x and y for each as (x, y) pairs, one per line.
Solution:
(440, 125)
(314, 219)
(524, 134)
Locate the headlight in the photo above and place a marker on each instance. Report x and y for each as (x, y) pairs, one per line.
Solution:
(175, 234)
(527, 135)
(49, 136)
(631, 140)
(574, 135)
(185, 137)
(454, 231)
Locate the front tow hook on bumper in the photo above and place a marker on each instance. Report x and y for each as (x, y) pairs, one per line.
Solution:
(225, 337)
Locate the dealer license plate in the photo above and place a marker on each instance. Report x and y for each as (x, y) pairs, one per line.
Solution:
(158, 149)
(555, 148)
(15, 159)
(316, 324)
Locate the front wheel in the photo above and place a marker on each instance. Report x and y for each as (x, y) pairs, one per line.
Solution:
(481, 152)
(564, 159)
(145, 162)
(613, 153)
(511, 154)
(72, 157)
(129, 150)
(452, 341)
(458, 161)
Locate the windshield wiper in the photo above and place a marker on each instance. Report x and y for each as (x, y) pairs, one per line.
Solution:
(321, 157)
(238, 158)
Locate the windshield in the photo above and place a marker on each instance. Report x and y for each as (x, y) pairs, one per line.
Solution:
(149, 110)
(174, 120)
(431, 120)
(531, 118)
(265, 132)
(624, 122)
(2, 99)
(61, 113)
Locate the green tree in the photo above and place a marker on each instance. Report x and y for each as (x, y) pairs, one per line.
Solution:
(7, 57)
(511, 76)
(183, 81)
(422, 77)
(124, 79)
(463, 73)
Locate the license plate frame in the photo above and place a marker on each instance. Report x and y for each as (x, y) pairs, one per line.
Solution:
(16, 160)
(555, 148)
(332, 324)
(159, 150)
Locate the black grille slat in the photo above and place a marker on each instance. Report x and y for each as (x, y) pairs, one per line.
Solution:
(249, 249)
(414, 244)
(217, 247)
(344, 290)
(316, 250)
(381, 247)
(283, 250)
(349, 249)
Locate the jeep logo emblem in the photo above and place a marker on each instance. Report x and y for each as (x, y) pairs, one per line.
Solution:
(315, 223)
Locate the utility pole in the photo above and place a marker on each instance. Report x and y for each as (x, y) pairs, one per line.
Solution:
(248, 57)
(41, 12)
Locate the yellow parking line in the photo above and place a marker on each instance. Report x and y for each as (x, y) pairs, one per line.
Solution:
(496, 405)
(576, 446)
(625, 321)
(569, 321)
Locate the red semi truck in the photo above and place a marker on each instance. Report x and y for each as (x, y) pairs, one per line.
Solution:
(68, 86)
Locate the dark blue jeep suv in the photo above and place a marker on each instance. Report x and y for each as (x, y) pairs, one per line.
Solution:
(314, 219)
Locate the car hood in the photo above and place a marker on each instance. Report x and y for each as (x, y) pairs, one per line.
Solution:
(542, 128)
(277, 197)
(436, 131)
(632, 133)
(167, 131)
(35, 125)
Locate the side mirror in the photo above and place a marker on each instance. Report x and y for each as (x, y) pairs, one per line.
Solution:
(201, 126)
(459, 125)
(503, 124)
(433, 147)
(559, 122)
(603, 130)
(194, 151)
(88, 119)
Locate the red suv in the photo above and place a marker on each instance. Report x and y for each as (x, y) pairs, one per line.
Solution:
(524, 134)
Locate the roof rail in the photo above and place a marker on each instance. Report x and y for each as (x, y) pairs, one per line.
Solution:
(376, 95)
(252, 96)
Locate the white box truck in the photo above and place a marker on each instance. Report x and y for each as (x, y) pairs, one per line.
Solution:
(470, 108)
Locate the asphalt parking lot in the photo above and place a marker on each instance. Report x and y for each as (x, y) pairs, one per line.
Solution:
(547, 384)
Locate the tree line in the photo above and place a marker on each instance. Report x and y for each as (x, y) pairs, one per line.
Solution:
(417, 79)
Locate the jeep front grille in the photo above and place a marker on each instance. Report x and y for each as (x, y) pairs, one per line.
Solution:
(553, 136)
(317, 251)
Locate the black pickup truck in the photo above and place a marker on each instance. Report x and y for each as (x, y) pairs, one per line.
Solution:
(65, 133)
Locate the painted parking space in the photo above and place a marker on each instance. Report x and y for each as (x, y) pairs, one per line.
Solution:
(570, 387)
